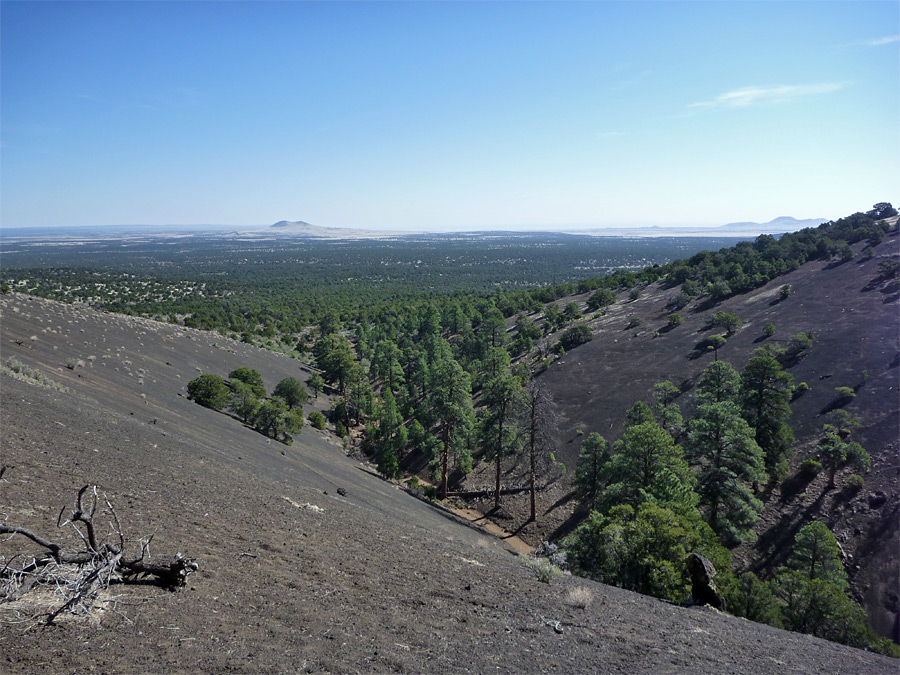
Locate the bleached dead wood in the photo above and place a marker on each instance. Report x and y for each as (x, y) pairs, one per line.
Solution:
(82, 573)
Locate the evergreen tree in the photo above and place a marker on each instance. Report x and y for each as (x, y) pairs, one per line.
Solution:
(639, 413)
(589, 476)
(720, 382)
(271, 418)
(836, 452)
(540, 428)
(317, 383)
(291, 392)
(640, 549)
(816, 555)
(334, 357)
(722, 447)
(451, 402)
(503, 397)
(754, 600)
(766, 393)
(812, 591)
(666, 411)
(647, 465)
(209, 390)
(251, 377)
(243, 401)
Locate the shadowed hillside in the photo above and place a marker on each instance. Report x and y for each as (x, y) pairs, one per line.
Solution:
(369, 580)
(853, 316)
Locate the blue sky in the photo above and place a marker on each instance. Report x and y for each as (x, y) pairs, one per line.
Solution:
(458, 115)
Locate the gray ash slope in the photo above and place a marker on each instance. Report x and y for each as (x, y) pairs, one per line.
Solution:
(376, 581)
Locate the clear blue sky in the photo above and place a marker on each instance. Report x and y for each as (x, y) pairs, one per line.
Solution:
(430, 115)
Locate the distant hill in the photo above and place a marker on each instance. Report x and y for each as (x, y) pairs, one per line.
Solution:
(775, 226)
(779, 225)
(300, 228)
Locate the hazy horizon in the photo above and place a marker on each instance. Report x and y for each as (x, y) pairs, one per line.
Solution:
(434, 116)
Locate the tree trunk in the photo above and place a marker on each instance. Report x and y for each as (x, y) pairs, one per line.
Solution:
(532, 476)
(499, 457)
(445, 461)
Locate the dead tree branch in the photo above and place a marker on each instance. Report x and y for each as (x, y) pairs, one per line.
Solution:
(83, 573)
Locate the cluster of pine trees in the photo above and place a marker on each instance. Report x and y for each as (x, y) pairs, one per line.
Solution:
(244, 395)
(667, 488)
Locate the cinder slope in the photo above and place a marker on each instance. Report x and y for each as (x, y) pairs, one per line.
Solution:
(854, 318)
(377, 582)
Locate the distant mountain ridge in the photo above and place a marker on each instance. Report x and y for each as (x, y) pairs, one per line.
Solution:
(776, 225)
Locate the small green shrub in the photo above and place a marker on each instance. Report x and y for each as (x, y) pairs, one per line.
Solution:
(317, 419)
(544, 570)
(810, 467)
(799, 390)
(574, 336)
(784, 292)
(854, 482)
(674, 320)
(634, 322)
(768, 330)
(845, 393)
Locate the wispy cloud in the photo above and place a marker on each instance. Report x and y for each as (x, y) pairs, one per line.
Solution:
(748, 96)
(878, 42)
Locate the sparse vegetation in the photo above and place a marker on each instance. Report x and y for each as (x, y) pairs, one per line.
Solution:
(14, 368)
(544, 570)
(317, 419)
(730, 322)
(845, 394)
(210, 391)
(575, 336)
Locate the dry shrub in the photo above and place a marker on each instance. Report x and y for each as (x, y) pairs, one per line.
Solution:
(580, 597)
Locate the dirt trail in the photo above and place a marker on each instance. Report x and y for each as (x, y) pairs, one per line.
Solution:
(489, 526)
(515, 544)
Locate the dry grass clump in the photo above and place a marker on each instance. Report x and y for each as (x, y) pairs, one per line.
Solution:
(580, 597)
(543, 569)
(14, 368)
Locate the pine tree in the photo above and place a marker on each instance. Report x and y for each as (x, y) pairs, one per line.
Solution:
(540, 427)
(816, 555)
(589, 477)
(451, 402)
(291, 392)
(666, 411)
(720, 382)
(722, 447)
(766, 393)
(503, 397)
(647, 465)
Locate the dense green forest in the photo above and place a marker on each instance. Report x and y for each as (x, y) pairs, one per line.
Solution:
(261, 286)
(430, 350)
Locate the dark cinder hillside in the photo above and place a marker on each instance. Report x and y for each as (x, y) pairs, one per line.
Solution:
(853, 316)
(295, 576)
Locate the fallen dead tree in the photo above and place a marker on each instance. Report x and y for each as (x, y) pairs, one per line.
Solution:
(78, 575)
(476, 494)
